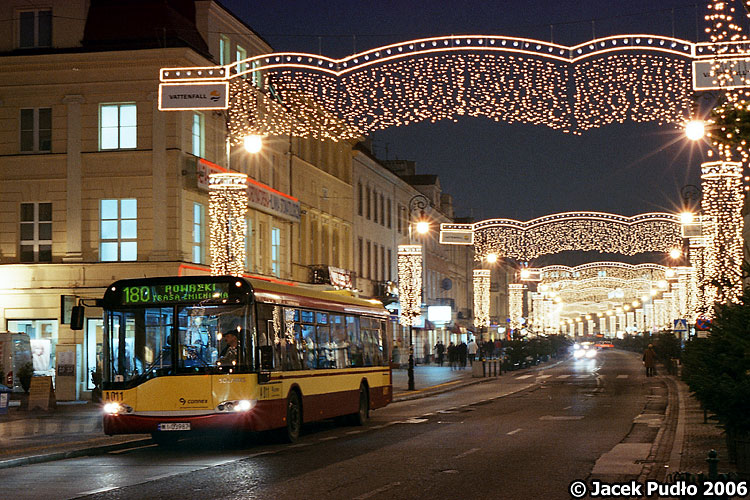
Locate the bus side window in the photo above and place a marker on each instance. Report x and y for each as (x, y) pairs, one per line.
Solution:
(355, 344)
(291, 356)
(307, 341)
(265, 332)
(339, 342)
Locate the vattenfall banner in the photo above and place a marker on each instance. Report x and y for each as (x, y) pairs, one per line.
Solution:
(182, 96)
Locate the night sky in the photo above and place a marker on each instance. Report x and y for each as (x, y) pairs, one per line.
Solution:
(510, 171)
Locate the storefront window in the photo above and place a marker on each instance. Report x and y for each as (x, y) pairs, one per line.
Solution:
(43, 335)
(94, 353)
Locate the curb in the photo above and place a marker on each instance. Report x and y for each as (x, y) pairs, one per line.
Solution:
(81, 452)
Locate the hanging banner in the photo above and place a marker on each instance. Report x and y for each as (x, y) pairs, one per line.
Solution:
(183, 96)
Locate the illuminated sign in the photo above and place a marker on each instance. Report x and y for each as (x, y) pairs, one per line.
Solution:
(735, 73)
(169, 293)
(180, 96)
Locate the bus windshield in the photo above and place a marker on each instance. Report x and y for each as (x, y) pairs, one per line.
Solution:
(145, 342)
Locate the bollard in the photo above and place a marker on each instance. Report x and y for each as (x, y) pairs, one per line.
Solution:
(713, 465)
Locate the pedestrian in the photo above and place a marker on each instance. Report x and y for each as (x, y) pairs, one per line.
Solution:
(461, 349)
(649, 360)
(426, 352)
(440, 350)
(472, 349)
(452, 356)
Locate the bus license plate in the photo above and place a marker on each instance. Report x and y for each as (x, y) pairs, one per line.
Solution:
(175, 426)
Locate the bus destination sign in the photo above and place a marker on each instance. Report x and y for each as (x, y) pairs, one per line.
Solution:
(174, 293)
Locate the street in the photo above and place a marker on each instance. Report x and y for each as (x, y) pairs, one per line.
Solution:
(471, 442)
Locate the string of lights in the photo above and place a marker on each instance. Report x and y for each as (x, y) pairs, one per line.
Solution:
(409, 283)
(227, 212)
(481, 297)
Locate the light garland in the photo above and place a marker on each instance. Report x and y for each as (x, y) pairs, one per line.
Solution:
(640, 77)
(652, 232)
(515, 304)
(409, 283)
(227, 212)
(481, 298)
(722, 204)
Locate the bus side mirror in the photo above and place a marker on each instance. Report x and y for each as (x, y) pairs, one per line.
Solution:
(266, 357)
(76, 318)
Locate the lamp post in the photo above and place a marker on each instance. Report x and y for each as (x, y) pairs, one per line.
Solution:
(410, 276)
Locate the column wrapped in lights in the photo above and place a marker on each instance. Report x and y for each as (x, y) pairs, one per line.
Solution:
(409, 283)
(515, 304)
(481, 298)
(723, 199)
(227, 223)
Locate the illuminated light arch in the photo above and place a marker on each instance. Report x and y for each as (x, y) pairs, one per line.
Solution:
(626, 77)
(586, 231)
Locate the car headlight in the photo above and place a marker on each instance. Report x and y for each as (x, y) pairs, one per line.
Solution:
(591, 353)
(578, 353)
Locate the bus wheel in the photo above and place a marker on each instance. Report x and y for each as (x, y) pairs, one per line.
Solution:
(363, 413)
(165, 439)
(290, 434)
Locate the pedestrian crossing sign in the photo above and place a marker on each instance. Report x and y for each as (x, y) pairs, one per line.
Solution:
(680, 325)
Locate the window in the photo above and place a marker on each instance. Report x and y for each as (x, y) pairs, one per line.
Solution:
(359, 198)
(369, 204)
(369, 259)
(382, 263)
(43, 336)
(36, 232)
(255, 75)
(36, 130)
(249, 246)
(382, 210)
(241, 55)
(225, 48)
(390, 208)
(198, 134)
(118, 230)
(35, 29)
(361, 258)
(276, 251)
(117, 126)
(199, 232)
(400, 220)
(390, 266)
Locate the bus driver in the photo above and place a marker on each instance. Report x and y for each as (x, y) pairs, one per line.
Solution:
(229, 353)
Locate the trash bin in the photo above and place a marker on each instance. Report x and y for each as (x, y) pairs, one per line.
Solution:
(4, 399)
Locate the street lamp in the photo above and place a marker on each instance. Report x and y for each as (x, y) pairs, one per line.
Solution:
(410, 276)
(253, 143)
(695, 129)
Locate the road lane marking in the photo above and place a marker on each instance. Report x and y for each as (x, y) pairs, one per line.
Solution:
(100, 490)
(563, 376)
(544, 376)
(329, 438)
(623, 376)
(379, 490)
(568, 407)
(561, 417)
(513, 432)
(468, 452)
(413, 421)
(523, 377)
(354, 432)
(117, 452)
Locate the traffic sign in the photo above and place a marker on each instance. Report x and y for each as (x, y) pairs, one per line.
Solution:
(702, 324)
(680, 325)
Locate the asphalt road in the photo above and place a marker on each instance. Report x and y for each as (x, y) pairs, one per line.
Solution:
(468, 443)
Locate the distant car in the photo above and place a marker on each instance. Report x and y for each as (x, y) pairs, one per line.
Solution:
(604, 345)
(584, 350)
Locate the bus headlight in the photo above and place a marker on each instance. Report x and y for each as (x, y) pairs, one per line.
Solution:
(241, 405)
(116, 408)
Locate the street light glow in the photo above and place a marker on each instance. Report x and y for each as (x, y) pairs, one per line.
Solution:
(491, 258)
(423, 227)
(675, 253)
(253, 143)
(686, 217)
(695, 130)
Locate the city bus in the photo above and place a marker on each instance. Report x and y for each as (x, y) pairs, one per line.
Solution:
(184, 355)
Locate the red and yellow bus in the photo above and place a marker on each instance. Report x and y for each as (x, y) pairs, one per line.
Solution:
(198, 353)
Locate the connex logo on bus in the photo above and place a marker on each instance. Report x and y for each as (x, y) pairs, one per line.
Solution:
(193, 401)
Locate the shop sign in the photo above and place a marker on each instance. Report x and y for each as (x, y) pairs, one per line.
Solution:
(267, 199)
(705, 74)
(340, 278)
(182, 96)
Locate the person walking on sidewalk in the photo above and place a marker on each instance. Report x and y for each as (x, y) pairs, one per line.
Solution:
(452, 356)
(649, 360)
(440, 350)
(462, 350)
(472, 349)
